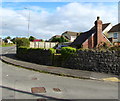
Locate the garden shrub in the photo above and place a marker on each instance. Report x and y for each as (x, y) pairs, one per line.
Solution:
(114, 48)
(22, 50)
(22, 42)
(52, 50)
(68, 50)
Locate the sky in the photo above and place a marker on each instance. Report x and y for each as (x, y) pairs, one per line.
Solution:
(53, 18)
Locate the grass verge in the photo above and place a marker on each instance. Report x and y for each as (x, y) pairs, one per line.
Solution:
(7, 45)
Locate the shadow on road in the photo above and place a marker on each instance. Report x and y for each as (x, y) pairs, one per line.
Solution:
(37, 95)
(47, 98)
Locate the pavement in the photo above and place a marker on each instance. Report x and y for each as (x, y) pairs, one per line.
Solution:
(8, 56)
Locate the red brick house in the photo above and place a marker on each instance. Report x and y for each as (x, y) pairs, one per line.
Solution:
(92, 38)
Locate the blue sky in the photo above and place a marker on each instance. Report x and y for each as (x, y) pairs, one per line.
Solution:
(52, 18)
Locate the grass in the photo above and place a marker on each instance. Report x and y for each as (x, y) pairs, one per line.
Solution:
(7, 45)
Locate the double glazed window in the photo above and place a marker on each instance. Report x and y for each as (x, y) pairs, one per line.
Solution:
(115, 35)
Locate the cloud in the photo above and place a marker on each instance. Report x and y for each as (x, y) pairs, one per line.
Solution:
(44, 24)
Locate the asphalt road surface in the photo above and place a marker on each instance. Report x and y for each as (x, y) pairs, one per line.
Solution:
(17, 83)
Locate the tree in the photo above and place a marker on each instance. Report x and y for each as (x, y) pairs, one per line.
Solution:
(8, 37)
(5, 39)
(31, 38)
(61, 39)
(14, 40)
(22, 42)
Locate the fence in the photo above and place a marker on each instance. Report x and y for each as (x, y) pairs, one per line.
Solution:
(43, 44)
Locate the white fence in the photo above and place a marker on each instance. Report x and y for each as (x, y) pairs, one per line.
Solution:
(43, 44)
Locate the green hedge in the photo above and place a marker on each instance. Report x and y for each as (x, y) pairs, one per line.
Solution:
(25, 49)
(22, 42)
(114, 48)
(67, 50)
(52, 50)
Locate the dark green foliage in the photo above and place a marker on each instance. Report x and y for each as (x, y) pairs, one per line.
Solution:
(61, 39)
(35, 55)
(22, 42)
(68, 50)
(14, 40)
(8, 37)
(31, 38)
(115, 48)
(52, 50)
(5, 39)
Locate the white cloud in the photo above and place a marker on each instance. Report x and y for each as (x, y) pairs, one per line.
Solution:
(43, 24)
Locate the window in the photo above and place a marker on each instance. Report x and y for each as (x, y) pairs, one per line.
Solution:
(115, 35)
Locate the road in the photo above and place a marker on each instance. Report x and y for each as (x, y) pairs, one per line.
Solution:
(17, 83)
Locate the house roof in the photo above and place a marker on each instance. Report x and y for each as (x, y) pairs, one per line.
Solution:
(72, 33)
(115, 28)
(36, 40)
(84, 36)
(57, 36)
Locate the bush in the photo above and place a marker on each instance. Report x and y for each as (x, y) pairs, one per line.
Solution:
(67, 50)
(52, 50)
(22, 42)
(31, 38)
(61, 39)
(115, 48)
(22, 49)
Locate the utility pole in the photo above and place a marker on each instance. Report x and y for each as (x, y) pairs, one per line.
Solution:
(28, 22)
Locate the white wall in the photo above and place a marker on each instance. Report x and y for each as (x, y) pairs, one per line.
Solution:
(43, 44)
(73, 38)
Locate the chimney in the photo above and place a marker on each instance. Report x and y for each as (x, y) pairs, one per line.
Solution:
(98, 27)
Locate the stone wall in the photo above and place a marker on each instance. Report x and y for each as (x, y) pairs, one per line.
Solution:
(108, 62)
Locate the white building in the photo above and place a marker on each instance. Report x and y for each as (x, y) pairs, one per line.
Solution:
(114, 33)
(71, 36)
(9, 41)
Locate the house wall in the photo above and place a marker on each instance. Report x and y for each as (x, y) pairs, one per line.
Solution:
(111, 35)
(73, 38)
(118, 36)
(104, 39)
(91, 42)
(85, 44)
